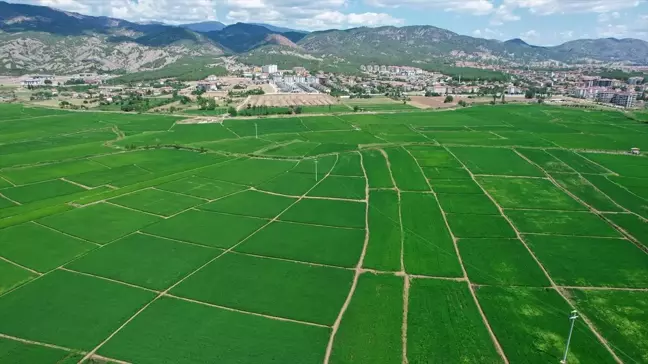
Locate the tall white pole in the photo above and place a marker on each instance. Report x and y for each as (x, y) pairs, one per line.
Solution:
(572, 318)
(256, 131)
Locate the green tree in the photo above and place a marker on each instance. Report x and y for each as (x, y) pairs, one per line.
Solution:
(448, 99)
(232, 111)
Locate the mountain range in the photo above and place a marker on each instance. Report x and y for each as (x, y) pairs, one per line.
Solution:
(42, 39)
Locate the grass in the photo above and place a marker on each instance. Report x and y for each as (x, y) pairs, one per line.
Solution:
(546, 161)
(248, 171)
(201, 187)
(80, 312)
(370, 328)
(479, 226)
(207, 228)
(251, 203)
(458, 335)
(591, 261)
(585, 191)
(428, 247)
(443, 173)
(299, 266)
(316, 244)
(620, 195)
(529, 194)
(46, 172)
(406, 172)
(17, 352)
(12, 276)
(428, 156)
(100, 223)
(531, 325)
(577, 162)
(145, 261)
(272, 287)
(467, 204)
(340, 187)
(495, 161)
(384, 247)
(39, 248)
(456, 186)
(181, 332)
(632, 225)
(500, 262)
(348, 164)
(378, 173)
(41, 191)
(327, 212)
(561, 223)
(157, 202)
(619, 317)
(291, 183)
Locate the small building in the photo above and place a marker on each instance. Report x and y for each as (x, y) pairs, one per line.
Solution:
(635, 151)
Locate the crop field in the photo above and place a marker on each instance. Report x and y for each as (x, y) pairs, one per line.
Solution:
(390, 236)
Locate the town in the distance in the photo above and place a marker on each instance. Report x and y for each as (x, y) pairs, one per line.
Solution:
(235, 87)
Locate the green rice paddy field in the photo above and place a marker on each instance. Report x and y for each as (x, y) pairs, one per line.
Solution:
(461, 236)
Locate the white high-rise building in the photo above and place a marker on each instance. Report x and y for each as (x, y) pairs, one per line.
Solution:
(270, 68)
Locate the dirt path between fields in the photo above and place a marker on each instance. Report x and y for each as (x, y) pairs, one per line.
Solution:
(166, 292)
(602, 216)
(544, 270)
(358, 269)
(491, 333)
(61, 348)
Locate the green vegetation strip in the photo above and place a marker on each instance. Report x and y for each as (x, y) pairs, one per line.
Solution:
(371, 326)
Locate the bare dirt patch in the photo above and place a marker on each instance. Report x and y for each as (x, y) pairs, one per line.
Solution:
(285, 100)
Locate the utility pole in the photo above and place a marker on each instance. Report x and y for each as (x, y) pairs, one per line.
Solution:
(256, 131)
(572, 318)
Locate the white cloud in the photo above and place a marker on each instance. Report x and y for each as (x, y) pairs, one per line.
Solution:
(170, 11)
(547, 7)
(605, 17)
(529, 35)
(473, 7)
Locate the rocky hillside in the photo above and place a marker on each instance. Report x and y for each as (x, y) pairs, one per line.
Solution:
(426, 43)
(41, 39)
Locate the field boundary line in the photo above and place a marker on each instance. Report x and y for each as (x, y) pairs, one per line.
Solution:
(189, 299)
(108, 279)
(591, 209)
(535, 258)
(302, 262)
(406, 289)
(75, 183)
(8, 181)
(420, 133)
(64, 233)
(9, 199)
(58, 347)
(578, 153)
(20, 266)
(620, 237)
(309, 197)
(197, 207)
(491, 333)
(179, 241)
(132, 209)
(358, 268)
(165, 292)
(278, 318)
(406, 278)
(179, 193)
(628, 289)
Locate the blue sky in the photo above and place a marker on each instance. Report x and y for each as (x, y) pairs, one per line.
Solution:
(542, 22)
